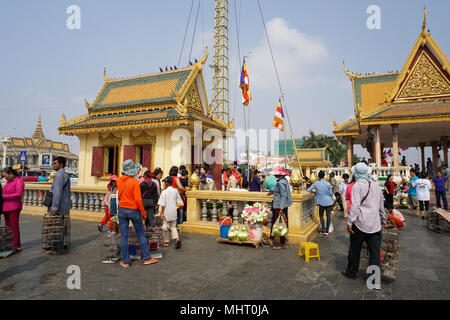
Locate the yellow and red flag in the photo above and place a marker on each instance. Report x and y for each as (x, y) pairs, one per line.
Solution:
(244, 85)
(278, 119)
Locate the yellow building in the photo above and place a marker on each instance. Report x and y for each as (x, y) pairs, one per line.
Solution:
(311, 158)
(40, 151)
(410, 108)
(136, 118)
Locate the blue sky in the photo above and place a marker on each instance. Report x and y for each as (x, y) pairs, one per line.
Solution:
(48, 69)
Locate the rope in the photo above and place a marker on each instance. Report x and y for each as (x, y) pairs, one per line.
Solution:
(195, 27)
(279, 83)
(185, 33)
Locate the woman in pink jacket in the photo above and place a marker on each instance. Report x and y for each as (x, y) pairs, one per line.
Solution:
(12, 202)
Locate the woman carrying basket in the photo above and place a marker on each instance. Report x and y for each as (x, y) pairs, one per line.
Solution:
(281, 202)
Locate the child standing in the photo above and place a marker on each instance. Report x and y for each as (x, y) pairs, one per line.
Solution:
(168, 202)
(111, 204)
(423, 187)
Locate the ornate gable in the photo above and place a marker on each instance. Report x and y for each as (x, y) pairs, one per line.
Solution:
(192, 99)
(425, 80)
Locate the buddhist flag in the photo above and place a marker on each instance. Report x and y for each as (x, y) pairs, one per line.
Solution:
(244, 85)
(278, 120)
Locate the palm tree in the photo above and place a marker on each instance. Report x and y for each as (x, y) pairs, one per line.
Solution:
(335, 148)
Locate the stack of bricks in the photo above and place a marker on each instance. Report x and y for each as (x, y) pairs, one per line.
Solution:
(6, 239)
(439, 221)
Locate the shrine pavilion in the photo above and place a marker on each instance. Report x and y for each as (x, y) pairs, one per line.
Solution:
(134, 118)
(410, 108)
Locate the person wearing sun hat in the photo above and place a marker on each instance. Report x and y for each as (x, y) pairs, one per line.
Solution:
(111, 204)
(281, 202)
(131, 208)
(365, 220)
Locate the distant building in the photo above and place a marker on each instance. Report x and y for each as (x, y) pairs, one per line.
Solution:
(40, 151)
(289, 150)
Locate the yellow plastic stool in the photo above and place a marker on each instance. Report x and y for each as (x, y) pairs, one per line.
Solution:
(309, 247)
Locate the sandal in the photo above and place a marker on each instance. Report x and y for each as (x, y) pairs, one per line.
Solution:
(151, 261)
(123, 264)
(49, 253)
(276, 248)
(166, 244)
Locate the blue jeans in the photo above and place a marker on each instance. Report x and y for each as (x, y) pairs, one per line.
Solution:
(125, 215)
(180, 215)
(441, 194)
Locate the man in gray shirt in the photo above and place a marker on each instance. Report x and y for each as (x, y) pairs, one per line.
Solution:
(365, 220)
(61, 198)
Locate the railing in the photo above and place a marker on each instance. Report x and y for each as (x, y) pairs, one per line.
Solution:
(379, 171)
(204, 207)
(83, 198)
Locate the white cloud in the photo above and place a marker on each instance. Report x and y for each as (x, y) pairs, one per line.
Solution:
(295, 54)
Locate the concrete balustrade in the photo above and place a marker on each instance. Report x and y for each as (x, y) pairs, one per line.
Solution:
(303, 215)
(203, 208)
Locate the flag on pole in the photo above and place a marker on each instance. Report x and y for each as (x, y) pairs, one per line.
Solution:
(278, 119)
(244, 85)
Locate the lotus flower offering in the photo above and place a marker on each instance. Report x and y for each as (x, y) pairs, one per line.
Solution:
(256, 213)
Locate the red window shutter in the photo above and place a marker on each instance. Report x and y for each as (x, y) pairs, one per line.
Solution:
(129, 153)
(147, 156)
(97, 162)
(116, 155)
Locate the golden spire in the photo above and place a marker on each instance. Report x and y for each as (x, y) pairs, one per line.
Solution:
(104, 74)
(38, 132)
(424, 25)
(62, 121)
(86, 103)
(335, 124)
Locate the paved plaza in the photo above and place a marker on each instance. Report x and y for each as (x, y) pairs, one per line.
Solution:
(204, 269)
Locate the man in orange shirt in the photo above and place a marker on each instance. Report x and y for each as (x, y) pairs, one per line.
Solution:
(131, 208)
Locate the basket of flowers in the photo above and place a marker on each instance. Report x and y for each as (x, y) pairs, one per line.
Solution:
(255, 215)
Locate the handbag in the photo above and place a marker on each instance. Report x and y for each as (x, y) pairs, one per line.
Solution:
(48, 200)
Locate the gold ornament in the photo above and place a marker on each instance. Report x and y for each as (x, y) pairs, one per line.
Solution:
(312, 177)
(194, 181)
(295, 181)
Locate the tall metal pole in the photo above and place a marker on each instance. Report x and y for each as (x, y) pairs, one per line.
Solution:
(220, 99)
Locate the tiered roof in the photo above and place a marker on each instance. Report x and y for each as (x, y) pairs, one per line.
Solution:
(165, 99)
(419, 92)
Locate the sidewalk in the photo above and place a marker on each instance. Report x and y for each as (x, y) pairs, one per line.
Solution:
(203, 269)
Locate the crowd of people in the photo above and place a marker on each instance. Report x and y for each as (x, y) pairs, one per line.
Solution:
(142, 198)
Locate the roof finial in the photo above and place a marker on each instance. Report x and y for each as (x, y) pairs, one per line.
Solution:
(424, 25)
(104, 74)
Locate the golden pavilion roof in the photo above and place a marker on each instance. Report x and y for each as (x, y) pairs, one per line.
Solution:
(420, 92)
(164, 99)
(311, 157)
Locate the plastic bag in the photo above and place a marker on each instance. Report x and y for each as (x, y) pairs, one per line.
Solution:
(279, 227)
(233, 232)
(331, 228)
(164, 226)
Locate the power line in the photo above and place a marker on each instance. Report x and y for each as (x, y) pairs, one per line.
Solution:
(195, 27)
(185, 32)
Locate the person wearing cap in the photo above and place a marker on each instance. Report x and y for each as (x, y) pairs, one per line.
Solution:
(324, 200)
(111, 204)
(168, 202)
(131, 208)
(365, 221)
(281, 202)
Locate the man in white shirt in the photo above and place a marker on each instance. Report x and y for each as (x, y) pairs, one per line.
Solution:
(423, 187)
(168, 202)
(439, 162)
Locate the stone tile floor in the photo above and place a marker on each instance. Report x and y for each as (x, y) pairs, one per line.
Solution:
(204, 269)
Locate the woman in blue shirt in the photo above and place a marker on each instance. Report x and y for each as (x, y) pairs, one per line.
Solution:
(324, 199)
(42, 177)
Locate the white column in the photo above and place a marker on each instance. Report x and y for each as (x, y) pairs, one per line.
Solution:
(378, 146)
